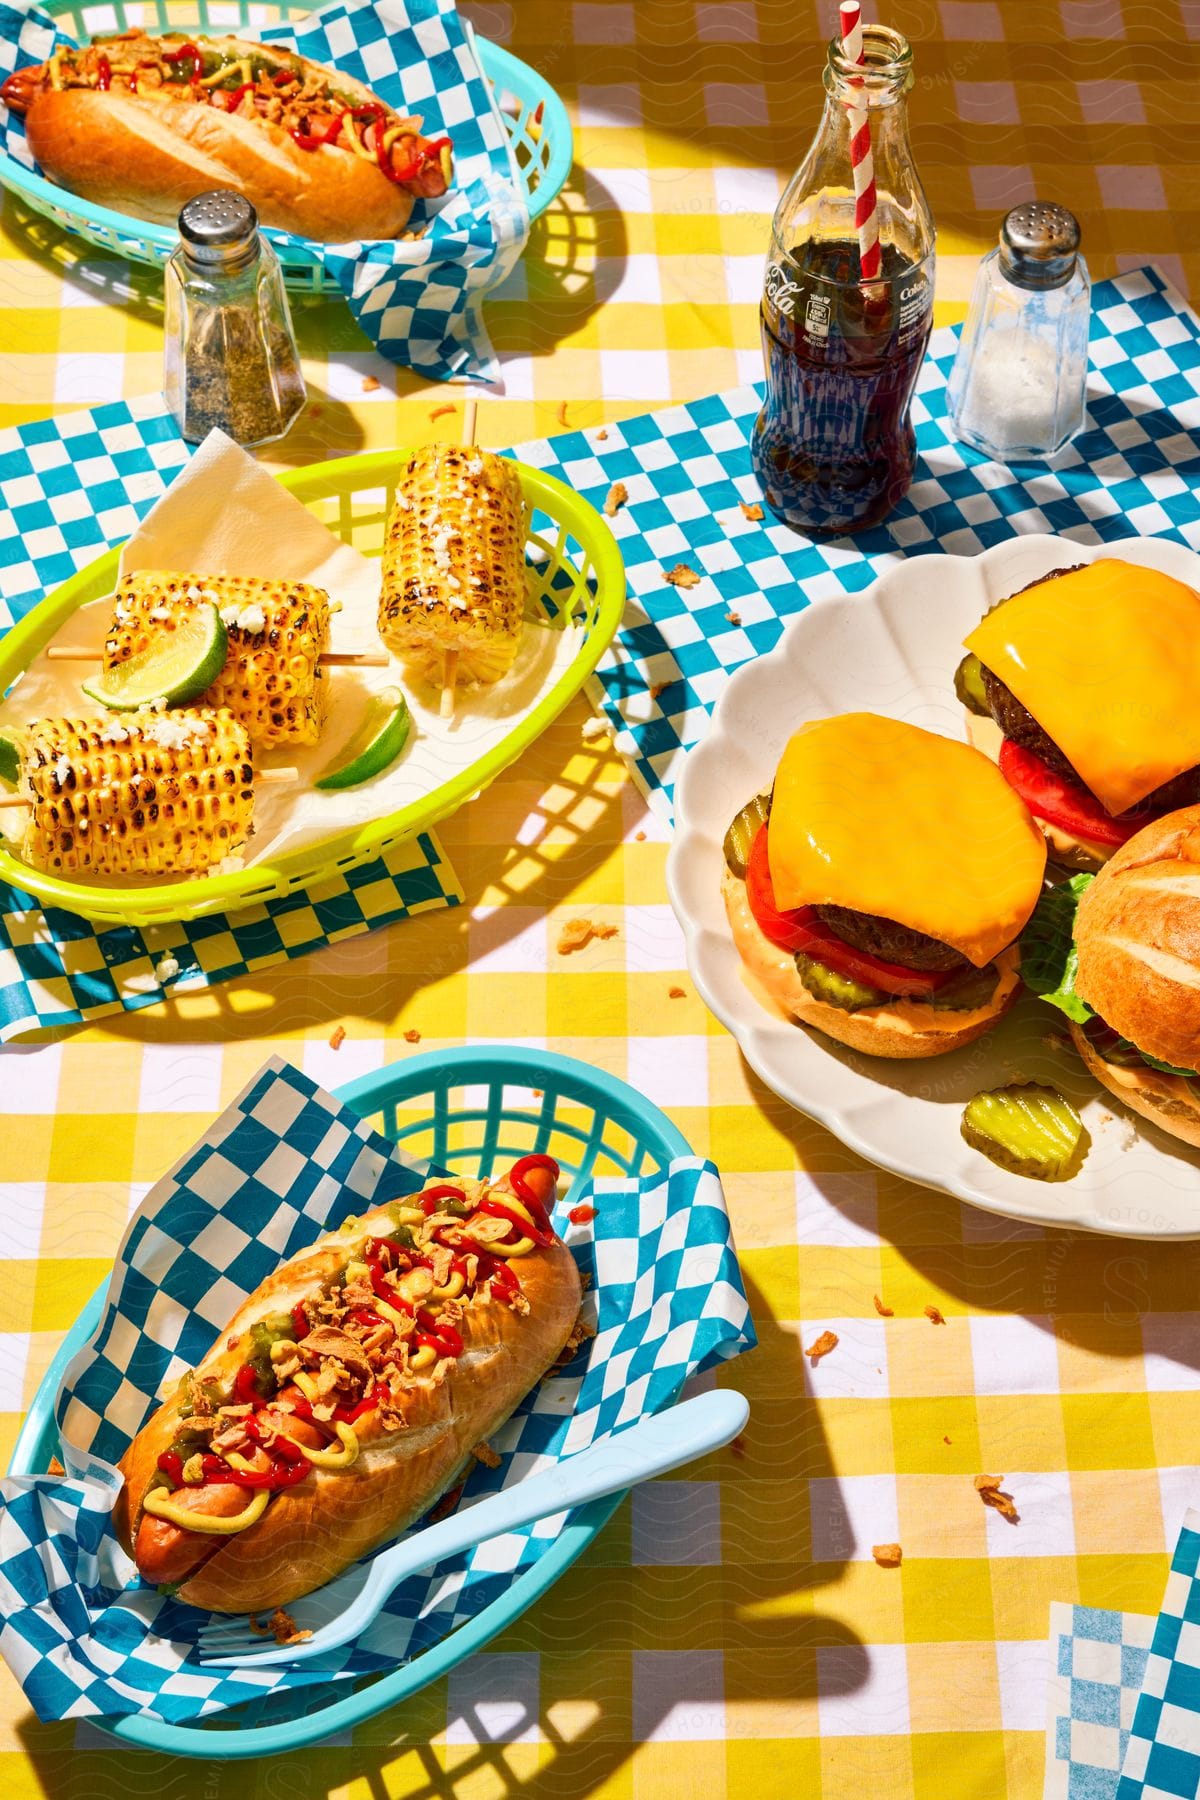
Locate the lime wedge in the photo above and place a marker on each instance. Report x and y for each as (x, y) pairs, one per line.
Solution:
(10, 761)
(177, 670)
(376, 744)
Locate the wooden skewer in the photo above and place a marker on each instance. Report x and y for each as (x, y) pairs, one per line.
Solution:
(263, 777)
(450, 661)
(331, 659)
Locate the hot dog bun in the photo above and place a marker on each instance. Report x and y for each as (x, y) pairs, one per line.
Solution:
(311, 1532)
(146, 157)
(146, 150)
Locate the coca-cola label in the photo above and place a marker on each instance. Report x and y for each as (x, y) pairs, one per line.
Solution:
(914, 306)
(781, 290)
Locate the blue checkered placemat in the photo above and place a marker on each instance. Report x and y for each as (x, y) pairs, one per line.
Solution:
(1131, 473)
(420, 302)
(1162, 1757)
(70, 487)
(1097, 1660)
(80, 1630)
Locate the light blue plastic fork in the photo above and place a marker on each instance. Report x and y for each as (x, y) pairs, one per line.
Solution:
(342, 1611)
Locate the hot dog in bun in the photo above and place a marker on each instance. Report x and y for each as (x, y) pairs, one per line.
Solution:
(141, 124)
(349, 1391)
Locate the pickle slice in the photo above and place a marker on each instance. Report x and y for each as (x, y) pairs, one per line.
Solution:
(1028, 1130)
(739, 839)
(842, 991)
(968, 992)
(968, 685)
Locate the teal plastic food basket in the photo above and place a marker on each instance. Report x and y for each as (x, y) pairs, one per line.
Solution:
(534, 117)
(469, 1110)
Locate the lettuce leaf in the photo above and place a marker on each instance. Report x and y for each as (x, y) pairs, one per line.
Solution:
(1049, 959)
(1050, 963)
(1164, 1068)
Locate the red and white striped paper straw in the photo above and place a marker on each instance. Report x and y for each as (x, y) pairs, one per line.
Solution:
(861, 161)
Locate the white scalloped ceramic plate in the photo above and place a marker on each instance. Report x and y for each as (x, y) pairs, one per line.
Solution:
(893, 649)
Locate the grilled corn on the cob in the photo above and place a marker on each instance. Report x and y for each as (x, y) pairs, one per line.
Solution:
(454, 563)
(272, 681)
(148, 794)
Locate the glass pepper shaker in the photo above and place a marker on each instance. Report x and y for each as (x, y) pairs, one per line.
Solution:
(230, 357)
(1019, 382)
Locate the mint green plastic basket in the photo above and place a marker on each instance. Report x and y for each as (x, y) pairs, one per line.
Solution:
(469, 1110)
(534, 117)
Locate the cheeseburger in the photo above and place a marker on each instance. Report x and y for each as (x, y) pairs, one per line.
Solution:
(1119, 954)
(1084, 686)
(876, 893)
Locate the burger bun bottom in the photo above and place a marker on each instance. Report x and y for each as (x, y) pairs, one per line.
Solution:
(1163, 1099)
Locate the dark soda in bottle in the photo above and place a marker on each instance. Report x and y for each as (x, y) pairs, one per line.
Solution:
(833, 447)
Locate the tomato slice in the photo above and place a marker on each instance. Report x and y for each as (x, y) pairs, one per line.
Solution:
(1059, 802)
(801, 929)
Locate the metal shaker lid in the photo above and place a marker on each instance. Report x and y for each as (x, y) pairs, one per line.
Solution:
(1039, 244)
(218, 227)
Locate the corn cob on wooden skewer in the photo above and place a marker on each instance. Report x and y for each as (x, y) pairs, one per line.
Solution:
(454, 564)
(149, 794)
(272, 682)
(328, 659)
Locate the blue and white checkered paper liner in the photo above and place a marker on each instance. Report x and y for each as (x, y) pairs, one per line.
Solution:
(1097, 1660)
(1131, 473)
(1162, 1757)
(82, 1634)
(420, 302)
(58, 970)
(69, 487)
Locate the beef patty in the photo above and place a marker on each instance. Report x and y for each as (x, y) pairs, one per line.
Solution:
(889, 941)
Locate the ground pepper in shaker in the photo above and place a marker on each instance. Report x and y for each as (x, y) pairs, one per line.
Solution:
(1019, 382)
(230, 357)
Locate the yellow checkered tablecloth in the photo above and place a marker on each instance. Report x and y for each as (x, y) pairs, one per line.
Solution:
(729, 1634)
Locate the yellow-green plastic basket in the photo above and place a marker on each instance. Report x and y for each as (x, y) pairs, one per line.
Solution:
(577, 580)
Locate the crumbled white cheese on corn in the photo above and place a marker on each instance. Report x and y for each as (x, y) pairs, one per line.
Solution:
(114, 733)
(244, 618)
(61, 770)
(160, 614)
(171, 734)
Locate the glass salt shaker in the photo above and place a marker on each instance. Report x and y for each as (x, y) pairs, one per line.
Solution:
(230, 357)
(1019, 382)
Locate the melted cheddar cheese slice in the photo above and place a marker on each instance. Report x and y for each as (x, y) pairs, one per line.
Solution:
(889, 819)
(1107, 659)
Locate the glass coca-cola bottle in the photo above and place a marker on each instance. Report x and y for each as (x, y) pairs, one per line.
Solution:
(833, 447)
